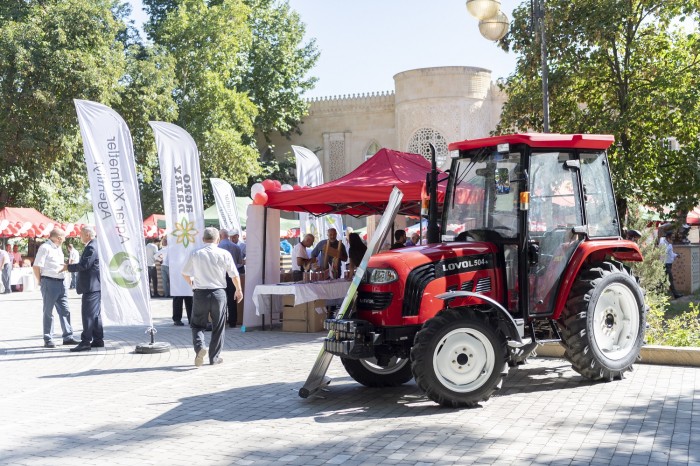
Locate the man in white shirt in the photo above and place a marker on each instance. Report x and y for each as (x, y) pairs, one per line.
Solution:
(205, 270)
(667, 243)
(300, 257)
(6, 268)
(151, 251)
(73, 258)
(49, 267)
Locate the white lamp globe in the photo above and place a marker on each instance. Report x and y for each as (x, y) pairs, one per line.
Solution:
(494, 28)
(483, 9)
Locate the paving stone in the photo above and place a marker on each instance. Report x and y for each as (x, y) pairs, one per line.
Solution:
(122, 408)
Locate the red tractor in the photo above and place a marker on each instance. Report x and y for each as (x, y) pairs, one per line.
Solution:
(531, 252)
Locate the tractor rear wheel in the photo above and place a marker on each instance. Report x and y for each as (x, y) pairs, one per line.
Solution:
(370, 374)
(604, 321)
(459, 358)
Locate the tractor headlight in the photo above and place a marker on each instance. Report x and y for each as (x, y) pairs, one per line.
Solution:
(380, 276)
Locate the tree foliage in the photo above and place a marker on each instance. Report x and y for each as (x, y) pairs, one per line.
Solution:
(52, 52)
(625, 67)
(225, 70)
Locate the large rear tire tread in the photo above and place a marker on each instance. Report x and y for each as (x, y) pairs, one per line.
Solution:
(362, 373)
(424, 347)
(576, 322)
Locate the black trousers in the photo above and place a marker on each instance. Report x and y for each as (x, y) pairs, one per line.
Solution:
(209, 304)
(231, 304)
(153, 279)
(669, 273)
(177, 308)
(92, 322)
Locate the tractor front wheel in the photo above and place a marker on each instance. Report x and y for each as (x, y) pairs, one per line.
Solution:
(370, 374)
(603, 322)
(458, 358)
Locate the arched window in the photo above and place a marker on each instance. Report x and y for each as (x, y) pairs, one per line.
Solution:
(419, 144)
(372, 149)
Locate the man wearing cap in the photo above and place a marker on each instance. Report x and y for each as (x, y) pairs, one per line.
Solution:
(235, 251)
(204, 270)
(49, 267)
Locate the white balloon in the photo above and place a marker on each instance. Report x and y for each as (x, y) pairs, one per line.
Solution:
(287, 187)
(257, 188)
(3, 224)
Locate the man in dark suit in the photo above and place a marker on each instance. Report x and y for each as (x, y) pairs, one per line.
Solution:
(88, 285)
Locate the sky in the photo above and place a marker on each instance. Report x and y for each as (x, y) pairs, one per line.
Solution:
(364, 43)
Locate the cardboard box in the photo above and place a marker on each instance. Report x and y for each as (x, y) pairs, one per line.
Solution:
(302, 318)
(295, 326)
(294, 312)
(288, 300)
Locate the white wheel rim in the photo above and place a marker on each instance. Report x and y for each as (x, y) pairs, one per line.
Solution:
(464, 360)
(616, 321)
(395, 365)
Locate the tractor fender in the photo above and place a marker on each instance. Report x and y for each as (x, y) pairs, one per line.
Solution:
(502, 311)
(622, 250)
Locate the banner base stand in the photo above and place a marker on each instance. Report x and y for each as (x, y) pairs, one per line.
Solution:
(153, 347)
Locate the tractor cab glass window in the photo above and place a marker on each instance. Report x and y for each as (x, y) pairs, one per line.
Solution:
(598, 195)
(483, 200)
(554, 210)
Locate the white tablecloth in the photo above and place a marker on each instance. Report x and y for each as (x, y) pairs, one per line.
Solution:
(303, 292)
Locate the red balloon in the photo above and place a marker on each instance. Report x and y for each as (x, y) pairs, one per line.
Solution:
(296, 187)
(268, 185)
(260, 199)
(278, 184)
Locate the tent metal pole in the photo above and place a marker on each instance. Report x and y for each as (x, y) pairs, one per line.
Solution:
(264, 250)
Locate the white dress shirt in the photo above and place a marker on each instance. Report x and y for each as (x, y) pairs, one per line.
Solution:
(73, 256)
(151, 251)
(208, 267)
(298, 251)
(50, 259)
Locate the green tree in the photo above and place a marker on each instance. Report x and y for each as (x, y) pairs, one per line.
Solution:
(52, 52)
(207, 43)
(279, 62)
(625, 67)
(146, 94)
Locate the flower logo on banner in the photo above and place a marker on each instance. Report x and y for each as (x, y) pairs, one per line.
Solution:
(185, 232)
(125, 270)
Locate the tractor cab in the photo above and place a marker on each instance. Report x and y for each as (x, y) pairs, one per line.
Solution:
(536, 198)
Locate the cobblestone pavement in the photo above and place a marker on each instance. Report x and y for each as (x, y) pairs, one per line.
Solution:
(116, 407)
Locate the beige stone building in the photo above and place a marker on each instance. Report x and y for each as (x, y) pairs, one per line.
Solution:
(436, 105)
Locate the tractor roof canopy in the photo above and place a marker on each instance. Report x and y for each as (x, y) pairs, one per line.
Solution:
(559, 141)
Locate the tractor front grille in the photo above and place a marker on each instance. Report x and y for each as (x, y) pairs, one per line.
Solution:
(468, 286)
(416, 282)
(483, 285)
(373, 301)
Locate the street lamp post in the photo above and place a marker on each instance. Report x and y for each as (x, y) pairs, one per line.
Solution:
(493, 25)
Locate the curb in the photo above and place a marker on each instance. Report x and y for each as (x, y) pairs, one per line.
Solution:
(650, 354)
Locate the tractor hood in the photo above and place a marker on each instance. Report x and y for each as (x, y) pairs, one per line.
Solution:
(406, 259)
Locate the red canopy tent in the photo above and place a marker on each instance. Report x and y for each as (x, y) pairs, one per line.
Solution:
(365, 190)
(150, 226)
(24, 222)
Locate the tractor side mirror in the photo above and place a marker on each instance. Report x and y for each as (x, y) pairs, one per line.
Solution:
(533, 253)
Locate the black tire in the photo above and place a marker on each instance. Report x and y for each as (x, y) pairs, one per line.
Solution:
(370, 374)
(470, 354)
(604, 321)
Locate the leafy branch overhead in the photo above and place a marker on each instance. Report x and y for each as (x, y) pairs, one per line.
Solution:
(628, 68)
(230, 72)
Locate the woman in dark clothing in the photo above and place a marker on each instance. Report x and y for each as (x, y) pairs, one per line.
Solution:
(356, 253)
